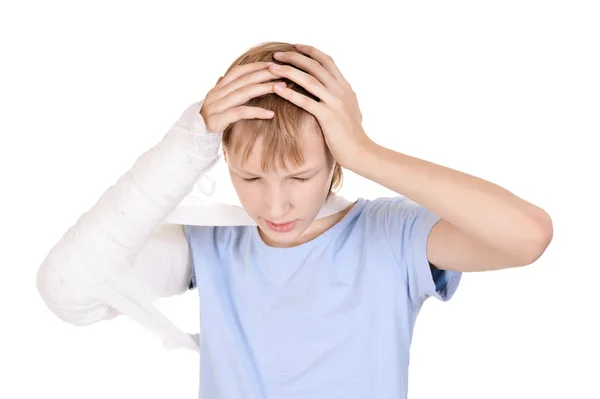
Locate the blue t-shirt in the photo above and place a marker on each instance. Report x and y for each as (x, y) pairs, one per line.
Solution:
(331, 318)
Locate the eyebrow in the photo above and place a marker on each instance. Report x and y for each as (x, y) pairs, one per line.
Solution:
(300, 172)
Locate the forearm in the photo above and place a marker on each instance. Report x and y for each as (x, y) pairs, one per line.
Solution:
(481, 209)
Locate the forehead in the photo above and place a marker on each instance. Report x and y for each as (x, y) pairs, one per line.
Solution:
(310, 145)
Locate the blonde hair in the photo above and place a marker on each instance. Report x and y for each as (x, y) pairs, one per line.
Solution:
(280, 134)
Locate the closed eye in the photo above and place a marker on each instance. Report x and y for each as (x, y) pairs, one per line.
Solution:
(300, 179)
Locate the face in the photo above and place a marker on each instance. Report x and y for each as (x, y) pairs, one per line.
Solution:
(284, 202)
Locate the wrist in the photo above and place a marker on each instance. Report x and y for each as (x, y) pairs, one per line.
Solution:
(362, 155)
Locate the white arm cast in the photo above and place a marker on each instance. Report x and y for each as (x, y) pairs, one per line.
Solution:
(130, 249)
(116, 243)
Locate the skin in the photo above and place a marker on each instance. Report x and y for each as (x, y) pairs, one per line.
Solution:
(276, 196)
(483, 226)
(284, 195)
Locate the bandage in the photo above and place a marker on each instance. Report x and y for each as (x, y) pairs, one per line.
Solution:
(129, 249)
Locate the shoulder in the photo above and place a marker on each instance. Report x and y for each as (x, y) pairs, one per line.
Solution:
(397, 216)
(383, 207)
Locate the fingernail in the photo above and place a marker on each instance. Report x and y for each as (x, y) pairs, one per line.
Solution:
(278, 54)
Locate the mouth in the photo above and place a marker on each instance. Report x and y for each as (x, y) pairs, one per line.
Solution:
(281, 227)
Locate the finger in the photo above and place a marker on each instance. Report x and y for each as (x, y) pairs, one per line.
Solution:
(308, 82)
(242, 96)
(313, 67)
(240, 70)
(323, 59)
(233, 115)
(301, 100)
(249, 79)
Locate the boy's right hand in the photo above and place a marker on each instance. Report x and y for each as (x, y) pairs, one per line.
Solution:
(222, 104)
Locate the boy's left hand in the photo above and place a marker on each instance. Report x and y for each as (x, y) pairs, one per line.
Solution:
(337, 112)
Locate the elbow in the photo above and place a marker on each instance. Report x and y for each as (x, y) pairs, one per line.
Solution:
(49, 282)
(69, 302)
(540, 239)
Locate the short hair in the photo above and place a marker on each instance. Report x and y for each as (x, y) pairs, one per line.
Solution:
(279, 134)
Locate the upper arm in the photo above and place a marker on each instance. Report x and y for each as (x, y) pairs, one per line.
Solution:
(408, 226)
(165, 261)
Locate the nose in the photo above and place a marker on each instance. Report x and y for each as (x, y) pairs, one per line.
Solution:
(277, 203)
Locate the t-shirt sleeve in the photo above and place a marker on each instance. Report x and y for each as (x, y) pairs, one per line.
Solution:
(407, 227)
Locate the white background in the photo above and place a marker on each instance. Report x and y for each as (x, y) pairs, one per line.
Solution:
(507, 91)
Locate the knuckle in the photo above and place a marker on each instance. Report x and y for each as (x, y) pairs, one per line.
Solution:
(206, 109)
(254, 90)
(304, 102)
(234, 70)
(270, 87)
(244, 80)
(338, 91)
(243, 89)
(337, 103)
(314, 62)
(239, 112)
(238, 69)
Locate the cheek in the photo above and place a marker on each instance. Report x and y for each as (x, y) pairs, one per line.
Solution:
(247, 193)
(311, 192)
